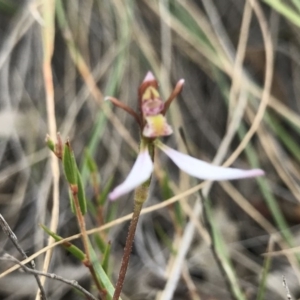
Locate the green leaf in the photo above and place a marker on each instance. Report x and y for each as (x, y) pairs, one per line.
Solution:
(72, 202)
(111, 211)
(90, 162)
(165, 188)
(178, 214)
(100, 243)
(165, 238)
(263, 283)
(106, 190)
(50, 144)
(221, 251)
(8, 7)
(288, 12)
(167, 193)
(69, 164)
(101, 274)
(81, 194)
(67, 245)
(105, 260)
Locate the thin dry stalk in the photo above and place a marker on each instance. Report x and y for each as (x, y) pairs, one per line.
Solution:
(186, 241)
(173, 279)
(90, 82)
(269, 145)
(267, 84)
(48, 46)
(244, 204)
(236, 84)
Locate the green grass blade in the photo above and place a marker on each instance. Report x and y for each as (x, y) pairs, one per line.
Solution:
(285, 11)
(81, 194)
(263, 282)
(220, 252)
(106, 256)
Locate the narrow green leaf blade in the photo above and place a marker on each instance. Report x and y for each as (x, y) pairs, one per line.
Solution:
(105, 260)
(106, 190)
(72, 202)
(67, 245)
(101, 275)
(100, 243)
(81, 194)
(69, 164)
(90, 162)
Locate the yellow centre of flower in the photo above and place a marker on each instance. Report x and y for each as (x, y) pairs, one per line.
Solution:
(157, 126)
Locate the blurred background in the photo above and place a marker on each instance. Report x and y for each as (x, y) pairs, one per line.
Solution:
(240, 61)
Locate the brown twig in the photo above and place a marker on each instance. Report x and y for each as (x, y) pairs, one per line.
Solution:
(288, 295)
(10, 234)
(82, 227)
(85, 241)
(36, 273)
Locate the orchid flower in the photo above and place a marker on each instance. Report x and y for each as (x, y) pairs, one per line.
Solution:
(153, 124)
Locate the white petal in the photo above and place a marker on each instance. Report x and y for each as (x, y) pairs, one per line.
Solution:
(203, 170)
(140, 172)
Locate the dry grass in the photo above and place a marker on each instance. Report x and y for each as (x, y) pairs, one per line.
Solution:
(240, 106)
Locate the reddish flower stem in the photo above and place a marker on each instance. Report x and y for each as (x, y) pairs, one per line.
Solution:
(141, 194)
(127, 250)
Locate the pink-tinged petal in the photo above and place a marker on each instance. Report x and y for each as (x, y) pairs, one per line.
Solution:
(149, 77)
(152, 107)
(203, 170)
(149, 81)
(140, 172)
